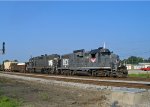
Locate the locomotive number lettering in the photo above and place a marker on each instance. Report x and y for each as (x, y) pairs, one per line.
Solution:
(65, 62)
(50, 62)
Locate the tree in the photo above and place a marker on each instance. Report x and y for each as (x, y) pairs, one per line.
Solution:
(16, 60)
(0, 67)
(134, 60)
(149, 59)
(6, 60)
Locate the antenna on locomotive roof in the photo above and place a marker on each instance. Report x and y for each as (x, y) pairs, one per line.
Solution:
(104, 46)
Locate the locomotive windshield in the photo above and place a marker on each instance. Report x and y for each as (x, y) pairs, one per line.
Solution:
(105, 52)
(102, 51)
(79, 53)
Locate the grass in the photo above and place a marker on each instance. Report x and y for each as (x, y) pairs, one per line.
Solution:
(1, 92)
(3, 80)
(139, 75)
(8, 102)
(44, 96)
(30, 105)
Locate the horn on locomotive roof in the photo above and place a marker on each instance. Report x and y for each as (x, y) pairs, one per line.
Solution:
(104, 46)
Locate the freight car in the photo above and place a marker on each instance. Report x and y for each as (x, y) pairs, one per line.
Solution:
(97, 62)
(7, 65)
(18, 67)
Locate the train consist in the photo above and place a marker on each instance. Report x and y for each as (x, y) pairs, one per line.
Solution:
(97, 62)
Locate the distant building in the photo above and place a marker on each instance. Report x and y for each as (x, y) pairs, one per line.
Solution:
(144, 65)
(138, 66)
(129, 66)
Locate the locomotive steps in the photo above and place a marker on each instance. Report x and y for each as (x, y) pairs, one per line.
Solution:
(117, 95)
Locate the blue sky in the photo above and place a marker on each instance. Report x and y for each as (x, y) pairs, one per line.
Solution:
(36, 28)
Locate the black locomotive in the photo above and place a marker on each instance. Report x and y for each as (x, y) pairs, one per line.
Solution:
(97, 62)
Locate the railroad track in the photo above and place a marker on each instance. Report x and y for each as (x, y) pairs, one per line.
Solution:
(118, 82)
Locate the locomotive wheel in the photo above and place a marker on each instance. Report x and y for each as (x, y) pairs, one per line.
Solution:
(70, 73)
(125, 75)
(51, 72)
(48, 72)
(73, 72)
(107, 73)
(119, 75)
(42, 71)
(34, 70)
(94, 73)
(66, 72)
(58, 72)
(62, 72)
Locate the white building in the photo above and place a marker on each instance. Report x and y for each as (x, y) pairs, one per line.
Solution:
(138, 66)
(144, 65)
(129, 66)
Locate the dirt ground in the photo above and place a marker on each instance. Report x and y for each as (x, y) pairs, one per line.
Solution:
(33, 94)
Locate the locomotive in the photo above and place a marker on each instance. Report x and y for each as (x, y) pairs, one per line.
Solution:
(97, 62)
(44, 63)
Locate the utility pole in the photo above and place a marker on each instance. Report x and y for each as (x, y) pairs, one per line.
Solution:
(2, 51)
(3, 48)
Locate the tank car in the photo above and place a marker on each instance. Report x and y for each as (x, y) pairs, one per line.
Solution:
(97, 62)
(44, 63)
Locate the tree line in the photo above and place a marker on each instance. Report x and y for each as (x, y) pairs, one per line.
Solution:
(136, 60)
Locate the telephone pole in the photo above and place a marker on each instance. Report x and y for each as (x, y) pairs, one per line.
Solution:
(3, 48)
